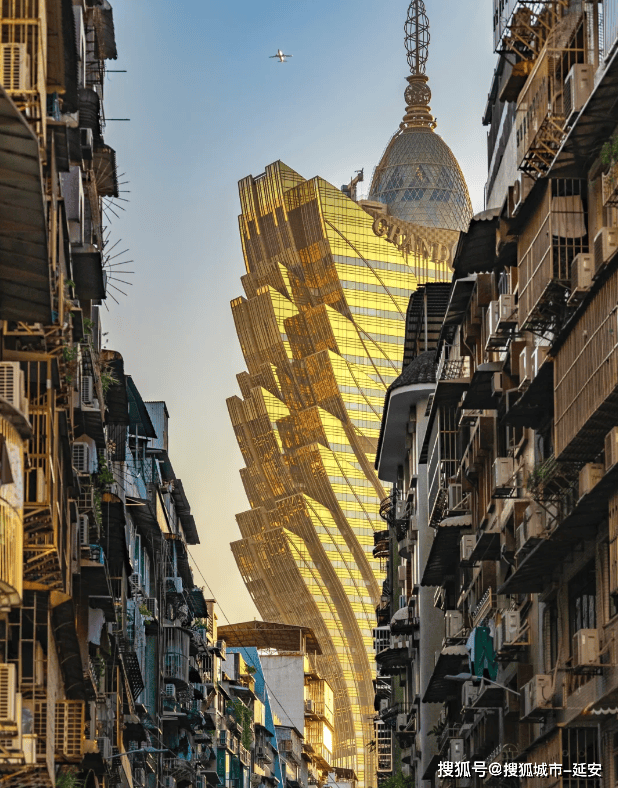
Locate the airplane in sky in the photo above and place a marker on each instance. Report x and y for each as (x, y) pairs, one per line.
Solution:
(281, 56)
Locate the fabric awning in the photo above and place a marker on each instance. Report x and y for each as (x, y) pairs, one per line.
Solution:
(24, 263)
(69, 653)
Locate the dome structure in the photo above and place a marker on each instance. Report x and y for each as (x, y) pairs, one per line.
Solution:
(418, 177)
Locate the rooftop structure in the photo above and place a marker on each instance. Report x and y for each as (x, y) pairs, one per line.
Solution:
(418, 178)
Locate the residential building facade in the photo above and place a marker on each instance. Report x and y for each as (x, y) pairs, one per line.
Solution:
(520, 431)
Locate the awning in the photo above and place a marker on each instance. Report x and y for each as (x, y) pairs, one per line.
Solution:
(268, 634)
(480, 394)
(535, 571)
(451, 661)
(594, 126)
(69, 654)
(88, 273)
(461, 294)
(116, 399)
(24, 263)
(536, 404)
(105, 174)
(444, 554)
(103, 21)
(487, 547)
(476, 248)
(184, 513)
(113, 538)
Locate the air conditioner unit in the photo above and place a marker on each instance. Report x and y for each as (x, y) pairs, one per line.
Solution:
(456, 750)
(260, 753)
(170, 690)
(454, 496)
(509, 627)
(469, 693)
(466, 547)
(402, 574)
(8, 694)
(531, 529)
(401, 510)
(526, 366)
(402, 722)
(539, 354)
(14, 67)
(493, 314)
(220, 645)
(87, 391)
(81, 457)
(582, 271)
(497, 384)
(611, 449)
(175, 583)
(503, 474)
(87, 141)
(309, 706)
(605, 246)
(153, 606)
(521, 189)
(83, 525)
(577, 89)
(589, 476)
(105, 747)
(286, 745)
(453, 623)
(537, 694)
(12, 387)
(139, 777)
(585, 648)
(28, 747)
(507, 311)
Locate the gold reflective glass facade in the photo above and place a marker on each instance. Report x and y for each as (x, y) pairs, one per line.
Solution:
(321, 328)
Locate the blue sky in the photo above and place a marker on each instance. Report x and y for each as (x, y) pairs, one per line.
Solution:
(208, 107)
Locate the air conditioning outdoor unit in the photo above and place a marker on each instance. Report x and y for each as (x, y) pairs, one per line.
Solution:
(582, 271)
(170, 690)
(497, 383)
(8, 694)
(521, 189)
(605, 246)
(611, 449)
(526, 366)
(456, 750)
(493, 314)
(509, 627)
(139, 777)
(469, 693)
(585, 648)
(286, 745)
(466, 547)
(577, 89)
(81, 457)
(309, 706)
(402, 573)
(503, 474)
(539, 354)
(537, 694)
(87, 390)
(105, 747)
(12, 387)
(260, 753)
(153, 606)
(14, 67)
(453, 623)
(507, 311)
(175, 583)
(454, 496)
(532, 527)
(83, 525)
(401, 510)
(589, 476)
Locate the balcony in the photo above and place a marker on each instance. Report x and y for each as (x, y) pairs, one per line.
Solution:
(521, 28)
(556, 233)
(382, 544)
(541, 115)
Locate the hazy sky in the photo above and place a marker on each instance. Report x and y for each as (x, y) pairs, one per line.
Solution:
(208, 107)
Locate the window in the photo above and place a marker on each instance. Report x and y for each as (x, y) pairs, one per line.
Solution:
(582, 600)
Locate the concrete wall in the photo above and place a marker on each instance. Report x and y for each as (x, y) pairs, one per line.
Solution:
(285, 679)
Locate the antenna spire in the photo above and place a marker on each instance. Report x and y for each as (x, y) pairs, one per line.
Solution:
(417, 95)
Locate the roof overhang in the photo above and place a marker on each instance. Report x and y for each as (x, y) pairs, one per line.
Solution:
(392, 448)
(450, 662)
(476, 249)
(25, 292)
(444, 554)
(269, 634)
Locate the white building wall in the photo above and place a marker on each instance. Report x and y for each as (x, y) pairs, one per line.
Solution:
(285, 679)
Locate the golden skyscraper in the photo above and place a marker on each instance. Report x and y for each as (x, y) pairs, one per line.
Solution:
(322, 328)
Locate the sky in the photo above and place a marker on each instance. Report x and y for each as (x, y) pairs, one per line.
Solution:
(208, 107)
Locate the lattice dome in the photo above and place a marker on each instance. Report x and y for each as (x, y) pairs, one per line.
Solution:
(420, 181)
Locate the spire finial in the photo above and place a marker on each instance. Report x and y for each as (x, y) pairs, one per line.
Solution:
(417, 95)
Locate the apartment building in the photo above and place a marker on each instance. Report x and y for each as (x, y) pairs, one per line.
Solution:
(518, 445)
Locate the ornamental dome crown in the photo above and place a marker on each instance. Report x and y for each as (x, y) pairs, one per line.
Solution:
(418, 177)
